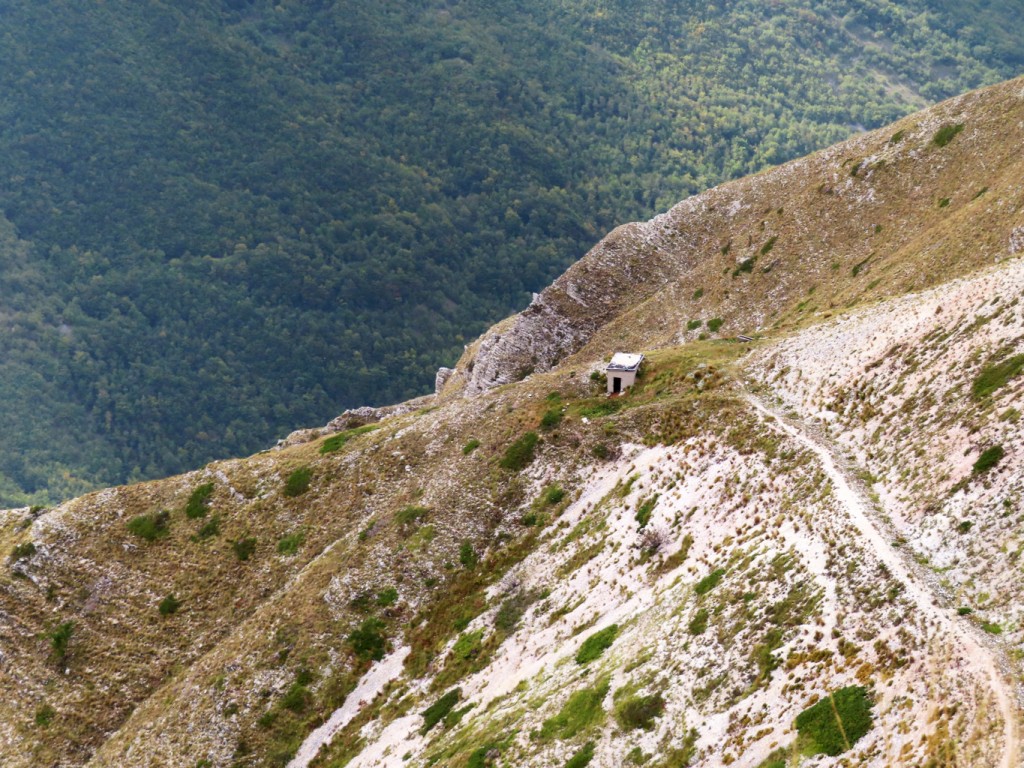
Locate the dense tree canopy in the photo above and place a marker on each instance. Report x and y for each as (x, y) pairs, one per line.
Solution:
(225, 220)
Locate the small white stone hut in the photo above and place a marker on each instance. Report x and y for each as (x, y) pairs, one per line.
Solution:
(621, 371)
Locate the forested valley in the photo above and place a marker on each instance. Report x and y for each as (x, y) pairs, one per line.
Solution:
(220, 221)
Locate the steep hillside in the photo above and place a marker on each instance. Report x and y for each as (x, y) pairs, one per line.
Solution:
(223, 219)
(799, 550)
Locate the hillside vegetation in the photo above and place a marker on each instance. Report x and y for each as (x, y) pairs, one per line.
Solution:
(797, 551)
(224, 220)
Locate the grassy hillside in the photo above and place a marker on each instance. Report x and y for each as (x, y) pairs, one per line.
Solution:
(535, 574)
(225, 220)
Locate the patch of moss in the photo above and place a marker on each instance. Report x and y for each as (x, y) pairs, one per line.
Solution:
(582, 710)
(597, 644)
(836, 722)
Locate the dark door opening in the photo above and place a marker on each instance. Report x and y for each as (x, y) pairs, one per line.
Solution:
(616, 384)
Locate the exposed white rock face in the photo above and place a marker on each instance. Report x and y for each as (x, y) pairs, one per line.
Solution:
(620, 271)
(443, 374)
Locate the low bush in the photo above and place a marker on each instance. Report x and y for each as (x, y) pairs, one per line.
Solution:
(199, 501)
(151, 527)
(209, 529)
(468, 556)
(45, 715)
(638, 712)
(768, 245)
(244, 548)
(298, 482)
(471, 446)
(582, 709)
(60, 639)
(520, 453)
(368, 640)
(409, 515)
(836, 722)
(988, 459)
(709, 582)
(699, 623)
(715, 323)
(386, 597)
(289, 545)
(582, 758)
(996, 376)
(552, 495)
(596, 644)
(169, 605)
(337, 441)
(551, 418)
(946, 134)
(643, 512)
(22, 551)
(693, 325)
(433, 714)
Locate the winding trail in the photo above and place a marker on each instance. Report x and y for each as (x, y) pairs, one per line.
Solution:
(981, 660)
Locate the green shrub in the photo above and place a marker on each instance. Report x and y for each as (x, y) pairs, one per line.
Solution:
(709, 582)
(596, 644)
(946, 134)
(368, 640)
(468, 556)
(551, 418)
(643, 512)
(199, 501)
(636, 712)
(697, 294)
(964, 611)
(582, 758)
(468, 646)
(768, 245)
(714, 324)
(964, 526)
(433, 714)
(699, 623)
(298, 482)
(988, 459)
(386, 597)
(295, 698)
(583, 709)
(519, 455)
(471, 446)
(244, 548)
(409, 515)
(897, 137)
(693, 325)
(289, 545)
(337, 441)
(944, 202)
(151, 527)
(995, 376)
(991, 628)
(169, 605)
(22, 551)
(512, 609)
(747, 265)
(45, 715)
(836, 722)
(209, 529)
(552, 495)
(60, 639)
(600, 451)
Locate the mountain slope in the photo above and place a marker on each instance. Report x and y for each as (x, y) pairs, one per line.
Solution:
(229, 218)
(522, 571)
